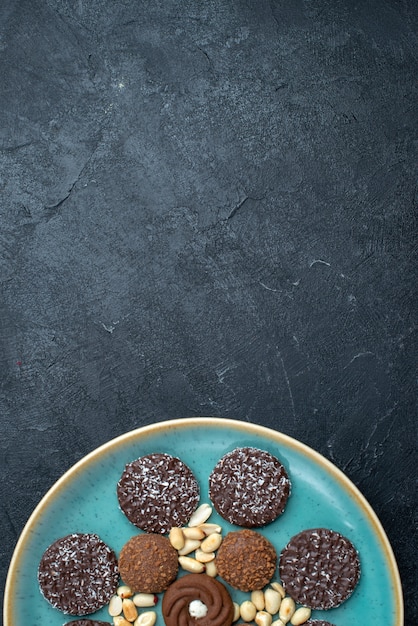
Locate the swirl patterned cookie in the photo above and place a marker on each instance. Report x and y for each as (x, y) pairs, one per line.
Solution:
(197, 600)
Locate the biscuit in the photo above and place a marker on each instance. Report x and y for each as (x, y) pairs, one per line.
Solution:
(319, 568)
(249, 487)
(148, 563)
(87, 622)
(157, 492)
(246, 560)
(78, 574)
(197, 600)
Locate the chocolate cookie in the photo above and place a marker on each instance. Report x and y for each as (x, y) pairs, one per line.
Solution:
(78, 574)
(87, 622)
(157, 492)
(319, 568)
(246, 560)
(197, 600)
(249, 487)
(318, 622)
(148, 563)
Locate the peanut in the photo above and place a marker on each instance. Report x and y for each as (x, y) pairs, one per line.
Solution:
(115, 606)
(263, 618)
(202, 513)
(146, 619)
(287, 608)
(272, 600)
(257, 598)
(236, 612)
(190, 545)
(176, 538)
(145, 599)
(118, 620)
(129, 610)
(124, 591)
(211, 543)
(278, 587)
(300, 616)
(208, 528)
(194, 532)
(204, 557)
(247, 611)
(211, 569)
(191, 565)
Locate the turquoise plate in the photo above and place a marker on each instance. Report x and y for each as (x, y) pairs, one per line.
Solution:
(84, 500)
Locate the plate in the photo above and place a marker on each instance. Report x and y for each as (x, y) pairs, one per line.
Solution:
(84, 500)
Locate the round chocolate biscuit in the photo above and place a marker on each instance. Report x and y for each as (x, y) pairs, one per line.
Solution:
(78, 574)
(318, 622)
(319, 568)
(148, 563)
(157, 492)
(214, 604)
(249, 487)
(87, 622)
(246, 560)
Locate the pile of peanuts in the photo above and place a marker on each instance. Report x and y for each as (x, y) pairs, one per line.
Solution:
(196, 545)
(123, 607)
(200, 538)
(265, 605)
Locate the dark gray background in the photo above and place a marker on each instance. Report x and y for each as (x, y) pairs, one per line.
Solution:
(208, 208)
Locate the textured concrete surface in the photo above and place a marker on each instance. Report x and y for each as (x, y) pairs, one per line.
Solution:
(209, 208)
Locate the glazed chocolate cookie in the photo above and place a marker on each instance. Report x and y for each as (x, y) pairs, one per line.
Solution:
(157, 492)
(148, 563)
(197, 600)
(78, 574)
(249, 487)
(319, 568)
(87, 622)
(246, 560)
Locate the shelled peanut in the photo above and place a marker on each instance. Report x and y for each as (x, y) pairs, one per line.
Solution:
(196, 544)
(123, 608)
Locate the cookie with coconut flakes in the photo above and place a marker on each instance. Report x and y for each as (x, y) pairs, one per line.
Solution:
(249, 487)
(78, 574)
(319, 568)
(158, 491)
